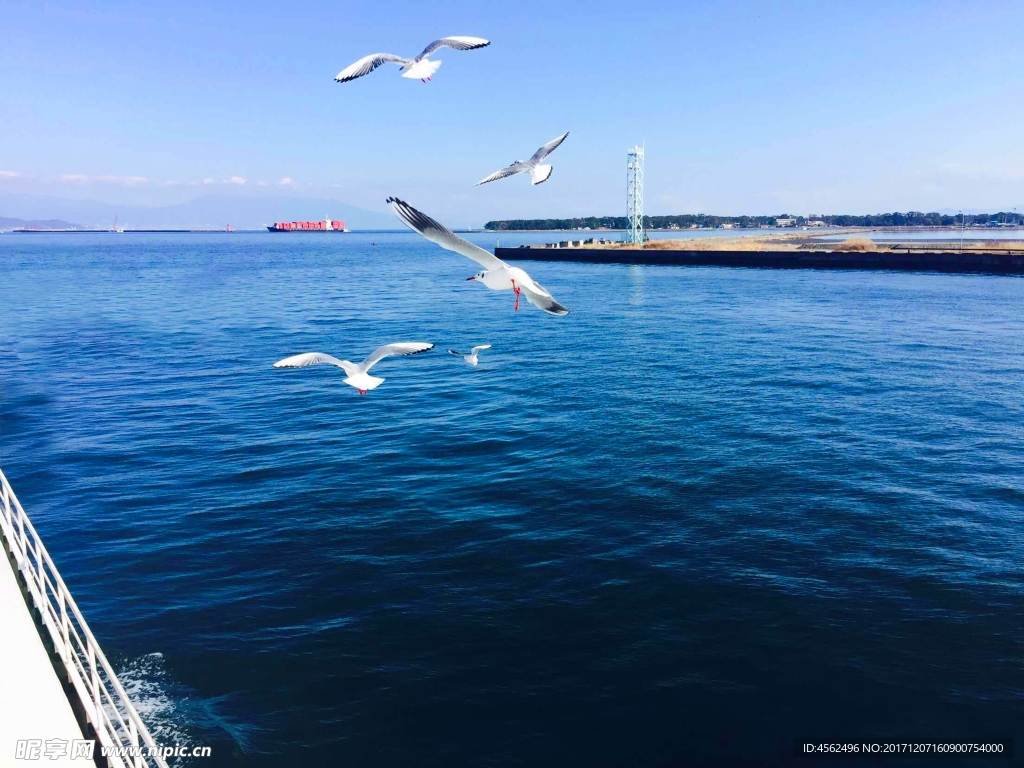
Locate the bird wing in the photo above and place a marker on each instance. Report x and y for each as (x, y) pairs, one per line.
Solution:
(538, 295)
(440, 234)
(453, 352)
(457, 42)
(511, 170)
(402, 348)
(307, 358)
(478, 348)
(548, 148)
(366, 65)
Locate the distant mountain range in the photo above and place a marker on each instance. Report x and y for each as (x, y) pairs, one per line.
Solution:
(6, 223)
(214, 211)
(207, 212)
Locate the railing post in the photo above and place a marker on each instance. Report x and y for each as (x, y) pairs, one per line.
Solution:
(40, 579)
(24, 534)
(95, 680)
(65, 633)
(7, 507)
(133, 736)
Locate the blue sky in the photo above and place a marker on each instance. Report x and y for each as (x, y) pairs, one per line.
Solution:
(744, 107)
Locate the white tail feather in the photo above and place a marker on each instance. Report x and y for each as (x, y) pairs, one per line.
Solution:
(364, 381)
(540, 174)
(422, 69)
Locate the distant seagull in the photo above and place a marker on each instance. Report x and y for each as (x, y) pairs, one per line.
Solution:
(357, 374)
(471, 358)
(538, 173)
(420, 67)
(497, 275)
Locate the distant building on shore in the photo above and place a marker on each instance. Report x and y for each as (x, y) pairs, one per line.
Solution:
(785, 222)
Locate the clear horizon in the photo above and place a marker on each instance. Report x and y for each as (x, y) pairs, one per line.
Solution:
(745, 109)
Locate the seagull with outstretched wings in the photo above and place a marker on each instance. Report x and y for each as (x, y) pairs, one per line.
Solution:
(497, 275)
(356, 373)
(421, 66)
(472, 358)
(539, 173)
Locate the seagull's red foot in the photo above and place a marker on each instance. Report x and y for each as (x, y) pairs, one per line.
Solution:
(428, 78)
(514, 288)
(423, 81)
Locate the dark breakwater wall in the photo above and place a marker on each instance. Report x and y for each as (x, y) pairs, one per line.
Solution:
(925, 261)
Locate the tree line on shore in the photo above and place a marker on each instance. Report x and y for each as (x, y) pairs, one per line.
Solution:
(704, 221)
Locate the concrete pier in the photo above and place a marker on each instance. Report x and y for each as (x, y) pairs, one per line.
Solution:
(1006, 263)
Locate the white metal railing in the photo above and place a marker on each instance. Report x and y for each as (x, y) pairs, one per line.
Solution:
(110, 711)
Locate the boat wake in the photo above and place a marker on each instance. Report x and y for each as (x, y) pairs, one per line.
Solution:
(175, 714)
(161, 704)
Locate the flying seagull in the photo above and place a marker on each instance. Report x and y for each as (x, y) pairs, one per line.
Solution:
(497, 275)
(420, 67)
(471, 358)
(538, 173)
(356, 375)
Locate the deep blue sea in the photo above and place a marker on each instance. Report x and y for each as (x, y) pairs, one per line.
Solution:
(709, 512)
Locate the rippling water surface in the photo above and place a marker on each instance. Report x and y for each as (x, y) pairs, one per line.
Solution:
(710, 511)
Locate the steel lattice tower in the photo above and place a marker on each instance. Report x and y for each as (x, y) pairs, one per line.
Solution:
(635, 196)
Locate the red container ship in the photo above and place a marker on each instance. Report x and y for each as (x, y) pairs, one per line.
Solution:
(327, 225)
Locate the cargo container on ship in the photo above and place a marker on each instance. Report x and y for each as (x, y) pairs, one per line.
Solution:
(327, 225)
